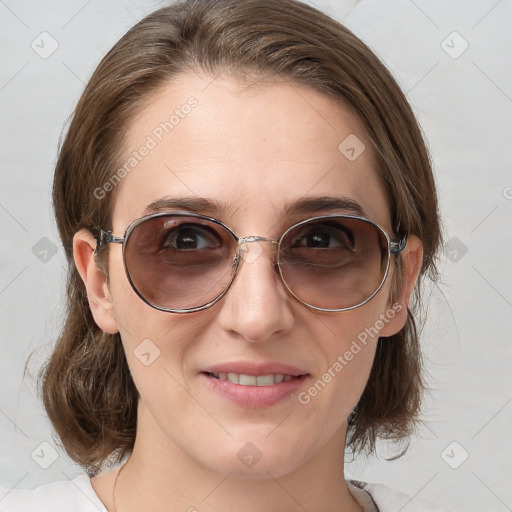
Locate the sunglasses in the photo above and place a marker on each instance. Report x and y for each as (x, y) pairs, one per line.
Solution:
(181, 262)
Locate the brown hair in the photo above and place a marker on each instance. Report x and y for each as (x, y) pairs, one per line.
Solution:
(86, 385)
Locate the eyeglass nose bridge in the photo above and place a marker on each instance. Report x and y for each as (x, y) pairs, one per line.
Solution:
(243, 252)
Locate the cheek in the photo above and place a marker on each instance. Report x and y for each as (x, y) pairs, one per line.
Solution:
(134, 317)
(336, 388)
(349, 351)
(348, 357)
(356, 329)
(142, 327)
(159, 346)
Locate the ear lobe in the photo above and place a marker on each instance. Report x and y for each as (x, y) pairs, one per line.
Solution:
(95, 280)
(412, 260)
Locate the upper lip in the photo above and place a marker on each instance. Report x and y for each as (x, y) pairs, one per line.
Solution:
(256, 369)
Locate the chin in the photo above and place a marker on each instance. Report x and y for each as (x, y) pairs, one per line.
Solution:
(257, 460)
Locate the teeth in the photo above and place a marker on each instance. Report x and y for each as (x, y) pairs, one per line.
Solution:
(252, 380)
(233, 377)
(248, 380)
(265, 380)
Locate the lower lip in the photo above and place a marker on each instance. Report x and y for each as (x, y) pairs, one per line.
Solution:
(253, 397)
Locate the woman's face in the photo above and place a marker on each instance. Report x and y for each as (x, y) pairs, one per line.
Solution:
(253, 152)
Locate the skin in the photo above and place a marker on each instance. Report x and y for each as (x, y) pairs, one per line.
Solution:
(255, 149)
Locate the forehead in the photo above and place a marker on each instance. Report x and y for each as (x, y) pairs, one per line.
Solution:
(251, 151)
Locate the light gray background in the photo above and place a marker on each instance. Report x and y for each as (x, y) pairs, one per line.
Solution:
(464, 104)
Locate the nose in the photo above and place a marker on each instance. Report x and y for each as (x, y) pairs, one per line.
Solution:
(257, 305)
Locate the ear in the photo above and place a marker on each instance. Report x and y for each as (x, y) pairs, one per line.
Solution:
(411, 261)
(95, 280)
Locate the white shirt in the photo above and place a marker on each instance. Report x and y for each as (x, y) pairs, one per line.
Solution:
(78, 495)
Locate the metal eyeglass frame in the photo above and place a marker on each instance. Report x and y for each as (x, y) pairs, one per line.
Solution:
(394, 247)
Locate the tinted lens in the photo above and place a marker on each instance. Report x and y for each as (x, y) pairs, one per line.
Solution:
(334, 263)
(179, 262)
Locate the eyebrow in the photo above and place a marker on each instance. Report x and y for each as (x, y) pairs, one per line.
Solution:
(303, 205)
(325, 203)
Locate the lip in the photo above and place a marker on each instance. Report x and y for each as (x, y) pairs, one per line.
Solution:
(256, 369)
(253, 397)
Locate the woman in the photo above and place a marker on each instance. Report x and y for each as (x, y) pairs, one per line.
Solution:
(247, 206)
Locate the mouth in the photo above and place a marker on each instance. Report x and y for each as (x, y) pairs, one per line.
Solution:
(253, 380)
(253, 391)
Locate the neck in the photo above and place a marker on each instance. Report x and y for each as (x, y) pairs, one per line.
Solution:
(159, 475)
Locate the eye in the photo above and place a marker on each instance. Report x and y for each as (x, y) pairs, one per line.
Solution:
(324, 236)
(188, 237)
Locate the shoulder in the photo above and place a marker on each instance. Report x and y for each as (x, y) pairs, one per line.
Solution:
(388, 500)
(62, 496)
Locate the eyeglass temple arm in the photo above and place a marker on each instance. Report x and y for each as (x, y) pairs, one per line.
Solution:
(397, 246)
(106, 237)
